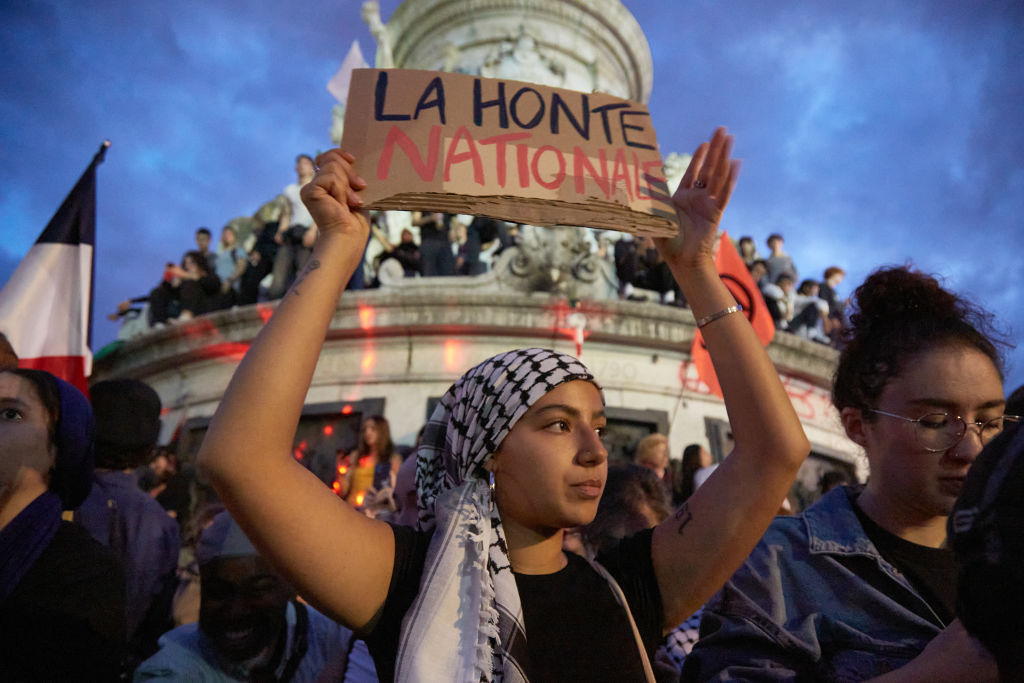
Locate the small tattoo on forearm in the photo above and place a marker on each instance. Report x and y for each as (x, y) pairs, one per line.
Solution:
(683, 516)
(310, 267)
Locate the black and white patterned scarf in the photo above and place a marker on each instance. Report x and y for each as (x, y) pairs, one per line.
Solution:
(466, 623)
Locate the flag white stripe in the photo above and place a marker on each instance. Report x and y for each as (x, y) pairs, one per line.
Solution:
(44, 306)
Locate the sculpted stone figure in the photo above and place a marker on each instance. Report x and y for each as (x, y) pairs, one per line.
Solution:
(379, 31)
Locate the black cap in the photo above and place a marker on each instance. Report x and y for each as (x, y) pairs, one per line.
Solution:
(127, 413)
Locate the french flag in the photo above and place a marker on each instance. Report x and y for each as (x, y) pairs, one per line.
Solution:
(46, 305)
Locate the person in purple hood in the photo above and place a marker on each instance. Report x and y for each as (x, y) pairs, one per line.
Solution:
(61, 592)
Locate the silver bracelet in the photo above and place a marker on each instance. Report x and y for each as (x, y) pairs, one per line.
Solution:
(720, 314)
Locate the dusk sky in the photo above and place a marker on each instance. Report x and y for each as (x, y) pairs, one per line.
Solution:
(873, 132)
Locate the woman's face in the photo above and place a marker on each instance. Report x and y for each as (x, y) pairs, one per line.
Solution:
(370, 434)
(705, 458)
(189, 264)
(24, 430)
(656, 458)
(550, 470)
(956, 380)
(227, 238)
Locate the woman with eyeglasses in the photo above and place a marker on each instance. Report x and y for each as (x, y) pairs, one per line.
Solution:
(861, 585)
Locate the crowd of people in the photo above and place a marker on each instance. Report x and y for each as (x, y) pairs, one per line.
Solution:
(261, 264)
(505, 547)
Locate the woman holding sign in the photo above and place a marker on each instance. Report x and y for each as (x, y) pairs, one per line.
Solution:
(511, 457)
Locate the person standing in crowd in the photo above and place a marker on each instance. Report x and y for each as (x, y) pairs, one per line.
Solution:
(61, 593)
(811, 319)
(533, 419)
(986, 532)
(861, 583)
(833, 276)
(748, 250)
(435, 249)
(652, 453)
(695, 458)
(759, 273)
(263, 252)
(296, 230)
(251, 627)
(203, 239)
(627, 263)
(372, 466)
(230, 263)
(778, 260)
(126, 519)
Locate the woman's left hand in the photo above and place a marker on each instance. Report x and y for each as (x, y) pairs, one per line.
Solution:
(701, 198)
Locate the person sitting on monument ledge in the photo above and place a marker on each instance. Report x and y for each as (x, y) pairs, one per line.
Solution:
(532, 418)
(187, 291)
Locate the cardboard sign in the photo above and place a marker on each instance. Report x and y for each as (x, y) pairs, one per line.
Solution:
(431, 141)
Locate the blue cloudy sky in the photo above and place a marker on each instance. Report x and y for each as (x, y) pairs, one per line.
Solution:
(872, 131)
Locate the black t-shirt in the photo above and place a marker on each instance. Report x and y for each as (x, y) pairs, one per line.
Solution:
(65, 619)
(932, 571)
(575, 629)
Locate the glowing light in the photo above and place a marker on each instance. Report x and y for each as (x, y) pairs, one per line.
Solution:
(226, 351)
(342, 469)
(366, 314)
(336, 486)
(347, 410)
(452, 354)
(369, 358)
(303, 445)
(298, 454)
(359, 498)
(265, 312)
(328, 430)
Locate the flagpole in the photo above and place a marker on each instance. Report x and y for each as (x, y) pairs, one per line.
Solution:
(97, 159)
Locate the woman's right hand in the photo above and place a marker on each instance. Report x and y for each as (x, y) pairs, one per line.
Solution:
(332, 196)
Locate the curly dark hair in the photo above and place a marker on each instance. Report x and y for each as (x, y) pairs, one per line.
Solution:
(629, 489)
(898, 313)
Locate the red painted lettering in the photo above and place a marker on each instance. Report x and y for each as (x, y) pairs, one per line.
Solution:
(559, 176)
(621, 171)
(500, 142)
(581, 162)
(470, 154)
(523, 164)
(425, 169)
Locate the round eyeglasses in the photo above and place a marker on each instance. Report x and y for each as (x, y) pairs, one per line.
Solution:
(938, 432)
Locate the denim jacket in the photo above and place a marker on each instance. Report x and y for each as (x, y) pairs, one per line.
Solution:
(815, 601)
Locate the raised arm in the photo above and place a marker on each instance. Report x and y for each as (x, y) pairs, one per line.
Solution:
(701, 545)
(339, 559)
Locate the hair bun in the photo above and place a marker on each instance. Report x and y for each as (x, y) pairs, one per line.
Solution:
(902, 295)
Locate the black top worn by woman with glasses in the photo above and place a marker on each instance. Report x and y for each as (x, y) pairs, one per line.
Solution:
(919, 386)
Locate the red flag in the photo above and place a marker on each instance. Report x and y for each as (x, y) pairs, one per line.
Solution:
(46, 305)
(737, 279)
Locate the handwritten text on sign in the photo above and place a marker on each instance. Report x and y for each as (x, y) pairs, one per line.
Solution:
(434, 137)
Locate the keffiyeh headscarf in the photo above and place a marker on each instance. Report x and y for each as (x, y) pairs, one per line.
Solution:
(466, 623)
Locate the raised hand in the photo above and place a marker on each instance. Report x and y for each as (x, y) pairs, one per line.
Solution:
(332, 196)
(701, 198)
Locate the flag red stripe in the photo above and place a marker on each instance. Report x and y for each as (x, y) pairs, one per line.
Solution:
(68, 368)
